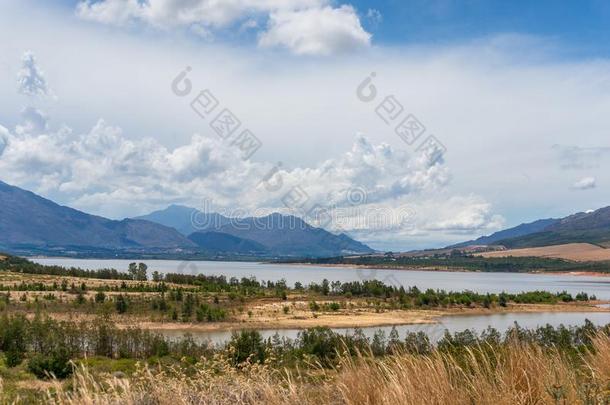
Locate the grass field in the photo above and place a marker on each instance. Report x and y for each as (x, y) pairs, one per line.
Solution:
(101, 335)
(509, 374)
(578, 252)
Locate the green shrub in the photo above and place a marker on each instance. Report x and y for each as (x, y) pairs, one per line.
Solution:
(247, 344)
(100, 297)
(56, 364)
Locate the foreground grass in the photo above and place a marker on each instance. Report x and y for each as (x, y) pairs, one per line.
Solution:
(514, 373)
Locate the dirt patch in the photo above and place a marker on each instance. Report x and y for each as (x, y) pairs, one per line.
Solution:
(578, 252)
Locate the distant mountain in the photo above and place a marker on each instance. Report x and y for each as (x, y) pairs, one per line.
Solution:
(218, 243)
(280, 235)
(27, 219)
(291, 236)
(583, 227)
(519, 230)
(186, 220)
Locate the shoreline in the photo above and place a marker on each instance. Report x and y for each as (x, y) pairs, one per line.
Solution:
(367, 267)
(444, 270)
(364, 319)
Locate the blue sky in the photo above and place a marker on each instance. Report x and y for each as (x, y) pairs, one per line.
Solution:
(580, 26)
(517, 91)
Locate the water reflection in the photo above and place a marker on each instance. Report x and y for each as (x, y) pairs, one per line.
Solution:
(454, 323)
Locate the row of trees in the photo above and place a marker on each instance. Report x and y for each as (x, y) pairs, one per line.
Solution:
(48, 345)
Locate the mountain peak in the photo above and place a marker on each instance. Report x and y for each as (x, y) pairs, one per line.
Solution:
(276, 233)
(583, 227)
(27, 219)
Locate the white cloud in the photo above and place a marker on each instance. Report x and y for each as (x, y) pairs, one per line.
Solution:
(4, 134)
(577, 157)
(302, 26)
(174, 13)
(586, 183)
(463, 215)
(316, 31)
(96, 167)
(374, 16)
(30, 78)
(33, 121)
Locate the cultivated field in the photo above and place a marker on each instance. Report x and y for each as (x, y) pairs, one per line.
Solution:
(578, 252)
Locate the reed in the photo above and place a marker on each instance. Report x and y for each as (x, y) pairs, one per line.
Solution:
(509, 374)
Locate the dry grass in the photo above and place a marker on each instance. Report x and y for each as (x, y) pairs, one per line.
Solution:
(514, 374)
(578, 252)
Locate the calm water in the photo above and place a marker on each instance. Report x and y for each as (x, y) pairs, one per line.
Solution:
(456, 281)
(456, 323)
(479, 282)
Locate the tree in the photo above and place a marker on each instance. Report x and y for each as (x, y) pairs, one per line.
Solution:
(13, 332)
(100, 297)
(138, 271)
(247, 344)
(133, 271)
(502, 300)
(325, 287)
(142, 269)
(187, 307)
(120, 304)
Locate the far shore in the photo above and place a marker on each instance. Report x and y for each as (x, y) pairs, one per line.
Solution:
(441, 269)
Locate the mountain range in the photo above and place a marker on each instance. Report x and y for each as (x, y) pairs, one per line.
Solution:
(283, 235)
(584, 227)
(30, 223)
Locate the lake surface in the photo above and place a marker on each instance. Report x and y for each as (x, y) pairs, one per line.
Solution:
(454, 323)
(456, 281)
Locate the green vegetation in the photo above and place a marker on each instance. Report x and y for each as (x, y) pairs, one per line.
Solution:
(465, 262)
(48, 346)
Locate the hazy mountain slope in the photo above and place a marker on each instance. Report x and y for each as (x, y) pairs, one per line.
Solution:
(218, 242)
(186, 220)
(519, 230)
(590, 227)
(290, 235)
(28, 219)
(277, 234)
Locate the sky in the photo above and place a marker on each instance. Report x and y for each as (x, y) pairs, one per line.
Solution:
(406, 124)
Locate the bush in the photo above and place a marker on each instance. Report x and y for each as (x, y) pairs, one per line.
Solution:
(14, 357)
(56, 364)
(121, 304)
(247, 344)
(13, 337)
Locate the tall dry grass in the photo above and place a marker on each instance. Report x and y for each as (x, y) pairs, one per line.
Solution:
(510, 375)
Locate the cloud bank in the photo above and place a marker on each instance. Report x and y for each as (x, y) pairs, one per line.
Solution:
(369, 189)
(313, 27)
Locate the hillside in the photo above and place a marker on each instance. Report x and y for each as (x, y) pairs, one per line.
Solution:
(519, 230)
(585, 227)
(576, 252)
(218, 242)
(288, 235)
(186, 220)
(27, 219)
(279, 235)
